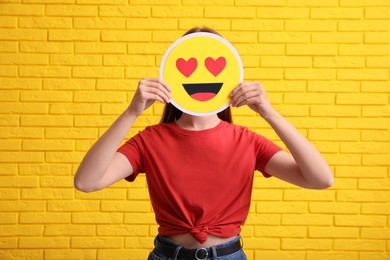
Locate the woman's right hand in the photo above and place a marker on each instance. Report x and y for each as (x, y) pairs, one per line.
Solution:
(149, 90)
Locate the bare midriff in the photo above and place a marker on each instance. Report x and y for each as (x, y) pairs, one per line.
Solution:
(189, 242)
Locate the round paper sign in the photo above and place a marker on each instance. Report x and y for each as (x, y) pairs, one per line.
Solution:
(202, 69)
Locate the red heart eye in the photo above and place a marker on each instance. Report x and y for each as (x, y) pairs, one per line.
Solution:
(186, 67)
(215, 66)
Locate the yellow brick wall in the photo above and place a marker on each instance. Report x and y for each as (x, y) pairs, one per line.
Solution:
(68, 68)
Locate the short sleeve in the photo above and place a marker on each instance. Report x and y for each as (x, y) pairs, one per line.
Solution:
(132, 150)
(265, 149)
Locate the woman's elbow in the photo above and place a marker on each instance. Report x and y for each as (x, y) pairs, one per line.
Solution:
(82, 186)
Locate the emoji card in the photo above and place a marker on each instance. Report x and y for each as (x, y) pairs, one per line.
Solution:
(202, 69)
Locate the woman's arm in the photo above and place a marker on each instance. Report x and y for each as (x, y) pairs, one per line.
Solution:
(102, 165)
(305, 166)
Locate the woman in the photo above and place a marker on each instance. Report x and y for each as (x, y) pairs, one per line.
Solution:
(200, 169)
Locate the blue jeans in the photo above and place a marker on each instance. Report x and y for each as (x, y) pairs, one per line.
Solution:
(156, 254)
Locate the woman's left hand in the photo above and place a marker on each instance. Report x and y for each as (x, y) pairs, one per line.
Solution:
(253, 95)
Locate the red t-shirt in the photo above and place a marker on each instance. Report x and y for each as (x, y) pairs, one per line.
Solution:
(200, 182)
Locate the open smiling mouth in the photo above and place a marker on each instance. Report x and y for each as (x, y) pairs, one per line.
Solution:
(202, 91)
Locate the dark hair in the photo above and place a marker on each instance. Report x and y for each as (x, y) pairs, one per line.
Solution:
(171, 113)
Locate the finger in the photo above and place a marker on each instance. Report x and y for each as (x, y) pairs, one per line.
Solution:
(245, 98)
(236, 89)
(160, 81)
(244, 92)
(158, 89)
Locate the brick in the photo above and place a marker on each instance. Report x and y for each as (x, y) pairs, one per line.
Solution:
(256, 25)
(138, 194)
(309, 195)
(43, 242)
(97, 217)
(44, 71)
(364, 3)
(8, 218)
(360, 220)
(333, 232)
(8, 242)
(98, 72)
(47, 194)
(21, 254)
(343, 159)
(24, 59)
(187, 23)
(99, 23)
(311, 3)
(284, 37)
(8, 22)
(361, 196)
(17, 157)
(142, 72)
(376, 233)
(364, 148)
(311, 49)
(44, 218)
(21, 230)
(337, 37)
(146, 48)
(8, 71)
(375, 208)
(23, 206)
(122, 230)
(364, 50)
(64, 157)
(377, 12)
(314, 25)
(21, 132)
(307, 219)
(361, 172)
(65, 36)
(379, 86)
(69, 230)
(335, 111)
(100, 48)
(101, 242)
(280, 232)
(99, 96)
(70, 59)
(286, 62)
(308, 98)
(126, 206)
(260, 49)
(312, 255)
(8, 194)
(262, 243)
(71, 133)
(177, 11)
(57, 181)
(361, 99)
(263, 73)
(46, 120)
(363, 25)
(6, 46)
(139, 218)
(282, 13)
(151, 23)
(47, 145)
(8, 169)
(28, 84)
(9, 96)
(9, 120)
(280, 207)
(16, 181)
(378, 62)
(66, 254)
(117, 254)
(339, 62)
(363, 245)
(376, 160)
(208, 2)
(333, 135)
(334, 208)
(74, 109)
(128, 60)
(310, 74)
(46, 47)
(306, 244)
(336, 13)
(69, 84)
(376, 37)
(71, 10)
(45, 22)
(22, 10)
(126, 36)
(366, 123)
(230, 12)
(68, 205)
(138, 242)
(125, 11)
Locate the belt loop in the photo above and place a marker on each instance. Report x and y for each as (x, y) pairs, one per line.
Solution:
(177, 252)
(214, 250)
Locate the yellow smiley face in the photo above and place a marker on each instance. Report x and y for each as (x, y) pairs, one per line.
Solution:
(202, 69)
